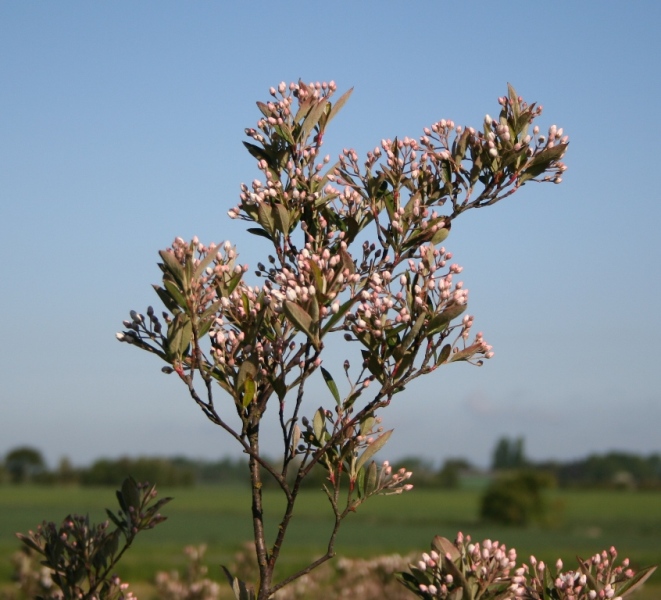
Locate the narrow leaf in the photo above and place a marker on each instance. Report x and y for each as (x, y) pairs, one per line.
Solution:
(318, 423)
(175, 293)
(339, 104)
(312, 119)
(205, 262)
(301, 319)
(174, 267)
(332, 386)
(373, 448)
(260, 232)
(371, 479)
(248, 391)
(445, 353)
(248, 369)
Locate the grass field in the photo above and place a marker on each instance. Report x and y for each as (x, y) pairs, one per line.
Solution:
(583, 523)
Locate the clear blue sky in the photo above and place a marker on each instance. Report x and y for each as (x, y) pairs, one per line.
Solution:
(121, 126)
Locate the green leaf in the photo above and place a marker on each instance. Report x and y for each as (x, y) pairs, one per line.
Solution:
(130, 493)
(206, 261)
(258, 153)
(285, 134)
(115, 519)
(440, 321)
(282, 219)
(411, 335)
(319, 279)
(265, 217)
(373, 448)
(459, 150)
(166, 298)
(445, 547)
(344, 308)
(366, 425)
(175, 293)
(371, 479)
(247, 370)
(445, 353)
(360, 483)
(180, 334)
(240, 589)
(541, 162)
(301, 319)
(311, 119)
(296, 438)
(260, 232)
(264, 109)
(318, 424)
(249, 388)
(30, 543)
(332, 386)
(514, 99)
(337, 106)
(172, 266)
(636, 581)
(440, 235)
(374, 363)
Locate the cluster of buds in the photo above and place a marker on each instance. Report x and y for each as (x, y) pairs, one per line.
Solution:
(597, 578)
(390, 482)
(81, 555)
(461, 570)
(487, 571)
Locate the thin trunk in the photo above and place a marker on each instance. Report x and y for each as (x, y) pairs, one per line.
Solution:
(265, 570)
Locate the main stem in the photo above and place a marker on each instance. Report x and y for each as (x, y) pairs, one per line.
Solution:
(265, 570)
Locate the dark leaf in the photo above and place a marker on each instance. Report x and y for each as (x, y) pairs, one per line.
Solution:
(332, 386)
(260, 232)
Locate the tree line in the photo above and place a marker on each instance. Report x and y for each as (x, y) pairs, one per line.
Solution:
(610, 470)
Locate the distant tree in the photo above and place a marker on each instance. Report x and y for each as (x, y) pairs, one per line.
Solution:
(516, 499)
(611, 470)
(425, 473)
(509, 454)
(113, 471)
(449, 476)
(24, 464)
(66, 473)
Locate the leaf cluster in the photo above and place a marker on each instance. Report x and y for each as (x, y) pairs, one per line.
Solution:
(81, 555)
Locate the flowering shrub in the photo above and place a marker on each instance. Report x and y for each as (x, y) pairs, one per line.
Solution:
(472, 571)
(354, 251)
(79, 557)
(193, 585)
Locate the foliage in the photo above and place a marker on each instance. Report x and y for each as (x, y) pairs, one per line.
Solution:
(24, 464)
(114, 471)
(487, 571)
(515, 498)
(611, 470)
(354, 252)
(81, 556)
(509, 454)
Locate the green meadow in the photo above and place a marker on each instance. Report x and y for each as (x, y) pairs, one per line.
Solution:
(581, 523)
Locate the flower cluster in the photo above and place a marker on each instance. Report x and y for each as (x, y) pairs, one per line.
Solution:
(81, 556)
(487, 571)
(390, 482)
(193, 584)
(597, 578)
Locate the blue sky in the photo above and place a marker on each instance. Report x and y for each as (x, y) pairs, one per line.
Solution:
(121, 127)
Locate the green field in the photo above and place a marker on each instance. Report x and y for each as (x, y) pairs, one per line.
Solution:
(583, 523)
